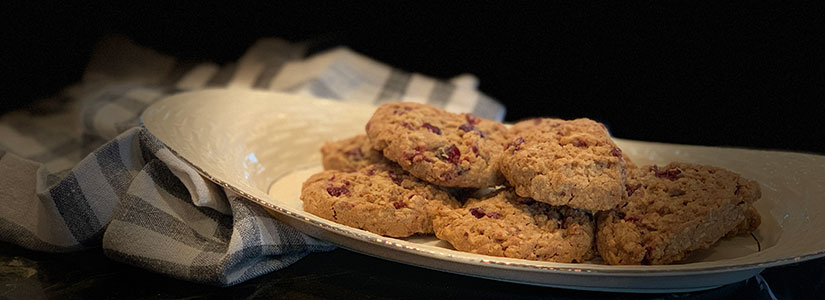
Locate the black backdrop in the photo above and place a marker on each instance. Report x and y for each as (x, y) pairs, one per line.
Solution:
(734, 76)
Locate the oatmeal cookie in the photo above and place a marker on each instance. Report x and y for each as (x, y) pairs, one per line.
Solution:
(350, 154)
(511, 226)
(675, 209)
(379, 198)
(447, 149)
(573, 163)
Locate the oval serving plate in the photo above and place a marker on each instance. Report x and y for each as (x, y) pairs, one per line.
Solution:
(263, 145)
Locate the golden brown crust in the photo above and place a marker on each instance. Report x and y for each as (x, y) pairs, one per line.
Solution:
(573, 163)
(454, 150)
(511, 226)
(675, 209)
(379, 198)
(350, 154)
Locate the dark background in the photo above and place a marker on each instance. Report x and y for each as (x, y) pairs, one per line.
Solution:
(710, 75)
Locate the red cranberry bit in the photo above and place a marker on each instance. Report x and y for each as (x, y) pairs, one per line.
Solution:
(516, 144)
(477, 212)
(449, 175)
(453, 154)
(671, 174)
(395, 177)
(616, 152)
(475, 149)
(631, 189)
(472, 119)
(738, 187)
(332, 178)
(346, 182)
(466, 127)
(432, 128)
(370, 171)
(399, 205)
(407, 125)
(633, 218)
(337, 191)
(559, 133)
(579, 143)
(494, 215)
(355, 154)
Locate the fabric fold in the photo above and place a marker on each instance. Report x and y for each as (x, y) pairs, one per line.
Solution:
(78, 171)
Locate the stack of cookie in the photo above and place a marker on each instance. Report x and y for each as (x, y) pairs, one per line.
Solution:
(543, 189)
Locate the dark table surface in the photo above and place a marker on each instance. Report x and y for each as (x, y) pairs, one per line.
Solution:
(339, 274)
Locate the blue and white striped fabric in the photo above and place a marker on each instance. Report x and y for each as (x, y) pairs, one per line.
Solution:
(77, 170)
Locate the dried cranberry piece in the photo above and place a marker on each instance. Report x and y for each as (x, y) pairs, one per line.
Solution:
(419, 152)
(337, 191)
(516, 144)
(738, 187)
(631, 189)
(616, 152)
(475, 149)
(671, 174)
(470, 127)
(472, 119)
(494, 215)
(449, 175)
(399, 205)
(407, 125)
(477, 212)
(432, 128)
(355, 154)
(633, 218)
(579, 143)
(370, 171)
(559, 133)
(395, 177)
(450, 154)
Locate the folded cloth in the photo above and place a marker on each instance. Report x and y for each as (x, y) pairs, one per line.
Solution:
(78, 171)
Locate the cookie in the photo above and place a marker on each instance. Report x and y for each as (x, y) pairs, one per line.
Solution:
(447, 149)
(379, 198)
(510, 226)
(673, 210)
(350, 154)
(573, 163)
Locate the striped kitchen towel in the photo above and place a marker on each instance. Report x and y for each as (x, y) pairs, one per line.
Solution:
(77, 170)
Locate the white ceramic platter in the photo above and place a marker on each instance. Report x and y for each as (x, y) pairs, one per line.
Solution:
(263, 145)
